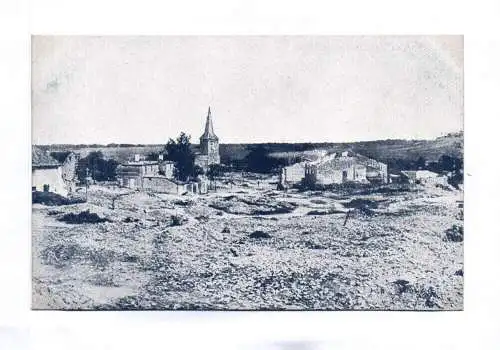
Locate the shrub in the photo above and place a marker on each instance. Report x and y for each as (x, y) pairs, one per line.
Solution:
(177, 220)
(455, 233)
(260, 234)
(53, 199)
(129, 219)
(403, 286)
(183, 202)
(360, 203)
(82, 218)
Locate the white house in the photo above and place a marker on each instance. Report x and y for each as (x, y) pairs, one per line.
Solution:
(49, 174)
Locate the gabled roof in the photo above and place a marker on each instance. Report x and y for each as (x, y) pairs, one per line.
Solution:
(42, 159)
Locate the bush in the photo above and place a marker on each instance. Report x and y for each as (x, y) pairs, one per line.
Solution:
(260, 234)
(403, 286)
(53, 199)
(84, 217)
(177, 220)
(455, 233)
(130, 219)
(183, 202)
(360, 203)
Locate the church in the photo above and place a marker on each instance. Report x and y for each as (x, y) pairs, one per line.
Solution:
(209, 146)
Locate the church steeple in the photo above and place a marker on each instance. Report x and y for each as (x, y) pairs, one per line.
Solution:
(209, 144)
(209, 133)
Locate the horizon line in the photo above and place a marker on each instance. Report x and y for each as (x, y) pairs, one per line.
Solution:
(130, 144)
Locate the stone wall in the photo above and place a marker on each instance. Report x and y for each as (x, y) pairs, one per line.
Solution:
(51, 177)
(68, 172)
(162, 185)
(294, 173)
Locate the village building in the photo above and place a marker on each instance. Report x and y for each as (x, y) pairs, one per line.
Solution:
(55, 172)
(134, 174)
(335, 168)
(209, 146)
(295, 173)
(158, 176)
(423, 177)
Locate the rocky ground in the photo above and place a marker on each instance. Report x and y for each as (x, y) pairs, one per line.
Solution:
(248, 247)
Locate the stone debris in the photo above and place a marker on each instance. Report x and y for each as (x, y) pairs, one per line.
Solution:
(220, 257)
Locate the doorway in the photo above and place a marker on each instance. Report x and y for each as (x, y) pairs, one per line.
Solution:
(344, 176)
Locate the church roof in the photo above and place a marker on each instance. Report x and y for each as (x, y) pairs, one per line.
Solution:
(209, 128)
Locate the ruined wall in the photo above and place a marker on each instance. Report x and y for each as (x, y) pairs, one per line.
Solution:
(167, 169)
(68, 171)
(360, 173)
(293, 173)
(334, 176)
(51, 177)
(162, 185)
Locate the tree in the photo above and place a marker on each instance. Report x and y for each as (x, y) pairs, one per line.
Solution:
(420, 163)
(449, 163)
(259, 161)
(214, 171)
(100, 169)
(179, 151)
(454, 166)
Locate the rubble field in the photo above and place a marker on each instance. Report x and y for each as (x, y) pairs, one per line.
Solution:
(248, 246)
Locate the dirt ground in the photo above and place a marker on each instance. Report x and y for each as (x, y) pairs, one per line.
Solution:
(248, 247)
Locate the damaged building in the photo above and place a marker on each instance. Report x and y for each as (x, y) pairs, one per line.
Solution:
(156, 176)
(336, 168)
(53, 172)
(424, 177)
(132, 174)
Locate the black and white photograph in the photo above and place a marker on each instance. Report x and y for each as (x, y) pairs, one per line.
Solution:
(247, 173)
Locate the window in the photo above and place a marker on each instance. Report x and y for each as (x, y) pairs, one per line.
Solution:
(45, 188)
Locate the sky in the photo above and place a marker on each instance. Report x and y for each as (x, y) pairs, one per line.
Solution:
(146, 89)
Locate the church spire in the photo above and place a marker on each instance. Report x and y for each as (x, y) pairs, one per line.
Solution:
(209, 128)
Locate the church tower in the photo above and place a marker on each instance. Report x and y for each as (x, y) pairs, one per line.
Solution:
(209, 142)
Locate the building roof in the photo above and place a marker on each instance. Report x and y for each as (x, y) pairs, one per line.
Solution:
(209, 133)
(42, 159)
